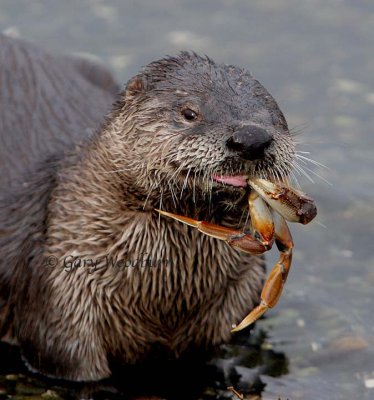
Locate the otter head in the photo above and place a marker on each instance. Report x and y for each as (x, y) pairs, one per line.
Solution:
(194, 125)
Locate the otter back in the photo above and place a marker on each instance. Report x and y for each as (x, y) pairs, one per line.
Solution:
(47, 103)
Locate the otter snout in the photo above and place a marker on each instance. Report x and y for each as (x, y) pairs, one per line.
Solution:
(250, 142)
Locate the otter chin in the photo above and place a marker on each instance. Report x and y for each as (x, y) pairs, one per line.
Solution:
(184, 136)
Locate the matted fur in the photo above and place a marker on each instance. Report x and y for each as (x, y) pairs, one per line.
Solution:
(94, 200)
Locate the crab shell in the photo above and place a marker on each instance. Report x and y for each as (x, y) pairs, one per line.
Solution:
(291, 204)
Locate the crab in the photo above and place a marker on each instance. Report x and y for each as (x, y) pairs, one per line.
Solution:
(270, 205)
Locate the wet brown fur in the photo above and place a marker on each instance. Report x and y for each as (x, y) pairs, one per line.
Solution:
(95, 199)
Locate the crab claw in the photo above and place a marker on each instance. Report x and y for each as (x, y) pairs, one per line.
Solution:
(234, 238)
(261, 220)
(292, 204)
(274, 283)
(267, 226)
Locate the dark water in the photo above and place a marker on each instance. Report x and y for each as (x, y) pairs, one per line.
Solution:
(317, 58)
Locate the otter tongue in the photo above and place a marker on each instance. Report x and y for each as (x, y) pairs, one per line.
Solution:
(238, 181)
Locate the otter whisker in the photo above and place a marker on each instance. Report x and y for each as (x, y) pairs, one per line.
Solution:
(285, 168)
(279, 173)
(307, 159)
(185, 182)
(295, 180)
(153, 186)
(160, 205)
(173, 194)
(194, 188)
(246, 213)
(246, 219)
(300, 170)
(298, 130)
(274, 173)
(173, 176)
(317, 175)
(176, 174)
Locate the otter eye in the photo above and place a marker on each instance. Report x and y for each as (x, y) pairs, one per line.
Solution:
(189, 114)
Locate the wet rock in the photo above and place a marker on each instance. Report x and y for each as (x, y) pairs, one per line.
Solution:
(347, 344)
(51, 395)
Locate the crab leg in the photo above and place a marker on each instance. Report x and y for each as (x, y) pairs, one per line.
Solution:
(289, 204)
(274, 283)
(234, 238)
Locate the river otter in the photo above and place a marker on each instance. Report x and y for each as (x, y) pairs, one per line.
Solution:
(89, 272)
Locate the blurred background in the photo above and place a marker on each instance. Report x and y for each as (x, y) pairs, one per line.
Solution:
(316, 57)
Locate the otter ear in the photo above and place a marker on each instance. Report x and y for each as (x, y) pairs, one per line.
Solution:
(135, 86)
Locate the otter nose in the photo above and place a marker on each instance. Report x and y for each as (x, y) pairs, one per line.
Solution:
(250, 142)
